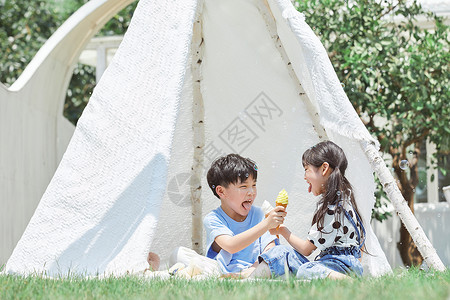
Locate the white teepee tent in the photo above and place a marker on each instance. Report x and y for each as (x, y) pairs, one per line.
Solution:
(192, 80)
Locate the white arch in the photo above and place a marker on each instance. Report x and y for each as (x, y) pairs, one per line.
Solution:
(33, 131)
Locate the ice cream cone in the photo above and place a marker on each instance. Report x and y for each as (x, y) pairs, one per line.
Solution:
(282, 200)
(281, 204)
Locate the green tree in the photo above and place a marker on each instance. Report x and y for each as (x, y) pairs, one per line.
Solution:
(24, 28)
(392, 71)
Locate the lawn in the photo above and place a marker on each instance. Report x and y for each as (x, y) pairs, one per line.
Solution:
(402, 284)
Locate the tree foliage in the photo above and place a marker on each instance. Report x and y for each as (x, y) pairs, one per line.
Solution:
(395, 74)
(24, 28)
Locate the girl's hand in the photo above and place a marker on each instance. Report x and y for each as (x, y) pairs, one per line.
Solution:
(275, 217)
(275, 231)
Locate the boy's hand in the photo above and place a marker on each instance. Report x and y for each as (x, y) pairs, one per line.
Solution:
(275, 217)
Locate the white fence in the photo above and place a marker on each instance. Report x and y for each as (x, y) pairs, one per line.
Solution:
(435, 221)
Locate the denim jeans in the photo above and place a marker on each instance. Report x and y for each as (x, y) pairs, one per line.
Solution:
(342, 260)
(281, 255)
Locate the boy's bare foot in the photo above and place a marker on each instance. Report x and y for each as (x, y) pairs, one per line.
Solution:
(153, 261)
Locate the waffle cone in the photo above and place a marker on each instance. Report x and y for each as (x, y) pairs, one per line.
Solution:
(281, 204)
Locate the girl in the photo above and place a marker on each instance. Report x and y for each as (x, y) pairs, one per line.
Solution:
(337, 229)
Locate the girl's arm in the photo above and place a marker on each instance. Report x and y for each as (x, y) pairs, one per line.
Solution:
(302, 246)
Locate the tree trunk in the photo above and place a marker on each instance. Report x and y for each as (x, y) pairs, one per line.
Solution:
(408, 251)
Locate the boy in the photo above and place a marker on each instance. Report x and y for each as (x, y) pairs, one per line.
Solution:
(236, 231)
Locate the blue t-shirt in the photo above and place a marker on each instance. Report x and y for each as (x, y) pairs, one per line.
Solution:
(218, 223)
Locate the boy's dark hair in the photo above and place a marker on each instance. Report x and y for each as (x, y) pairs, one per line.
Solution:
(231, 168)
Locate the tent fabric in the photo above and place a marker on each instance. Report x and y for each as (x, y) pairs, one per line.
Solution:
(100, 210)
(321, 82)
(122, 187)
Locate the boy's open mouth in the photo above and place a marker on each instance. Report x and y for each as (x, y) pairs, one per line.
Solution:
(309, 188)
(247, 204)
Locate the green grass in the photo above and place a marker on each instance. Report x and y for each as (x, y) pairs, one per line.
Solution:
(412, 284)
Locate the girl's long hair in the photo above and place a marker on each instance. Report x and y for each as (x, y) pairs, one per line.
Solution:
(337, 186)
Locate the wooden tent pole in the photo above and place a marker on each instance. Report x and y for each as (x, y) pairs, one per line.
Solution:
(198, 126)
(389, 184)
(270, 21)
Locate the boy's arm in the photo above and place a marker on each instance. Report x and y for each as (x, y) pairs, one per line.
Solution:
(303, 246)
(233, 244)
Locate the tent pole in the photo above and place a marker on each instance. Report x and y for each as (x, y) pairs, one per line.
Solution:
(389, 184)
(268, 17)
(198, 126)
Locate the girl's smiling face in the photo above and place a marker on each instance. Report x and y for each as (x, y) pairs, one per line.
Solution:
(316, 177)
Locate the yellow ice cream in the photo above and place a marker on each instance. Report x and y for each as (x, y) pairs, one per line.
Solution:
(282, 199)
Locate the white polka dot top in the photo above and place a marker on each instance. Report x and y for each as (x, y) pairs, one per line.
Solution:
(338, 230)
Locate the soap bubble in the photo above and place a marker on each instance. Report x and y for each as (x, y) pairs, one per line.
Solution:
(343, 84)
(246, 175)
(255, 167)
(242, 116)
(404, 164)
(213, 186)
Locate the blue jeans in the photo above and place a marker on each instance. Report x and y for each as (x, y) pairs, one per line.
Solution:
(281, 255)
(342, 260)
